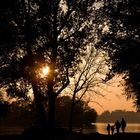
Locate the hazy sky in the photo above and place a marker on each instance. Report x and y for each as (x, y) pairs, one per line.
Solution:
(113, 99)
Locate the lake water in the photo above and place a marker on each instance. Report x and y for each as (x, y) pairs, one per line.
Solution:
(101, 128)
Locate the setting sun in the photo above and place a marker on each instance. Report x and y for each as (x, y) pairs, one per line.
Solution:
(45, 70)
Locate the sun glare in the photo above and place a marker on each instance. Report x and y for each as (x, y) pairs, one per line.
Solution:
(45, 70)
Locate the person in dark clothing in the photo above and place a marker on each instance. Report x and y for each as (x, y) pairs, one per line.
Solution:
(108, 128)
(123, 125)
(117, 126)
(112, 129)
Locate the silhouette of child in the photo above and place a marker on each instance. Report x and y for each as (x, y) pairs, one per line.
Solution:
(112, 129)
(108, 128)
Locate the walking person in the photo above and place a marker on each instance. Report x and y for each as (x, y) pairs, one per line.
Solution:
(117, 126)
(108, 128)
(112, 129)
(123, 125)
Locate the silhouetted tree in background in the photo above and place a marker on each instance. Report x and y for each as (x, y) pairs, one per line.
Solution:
(89, 117)
(90, 74)
(130, 116)
(83, 114)
(4, 107)
(122, 42)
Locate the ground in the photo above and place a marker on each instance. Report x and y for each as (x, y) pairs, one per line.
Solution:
(74, 136)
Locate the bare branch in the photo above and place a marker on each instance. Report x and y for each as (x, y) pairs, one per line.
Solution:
(65, 84)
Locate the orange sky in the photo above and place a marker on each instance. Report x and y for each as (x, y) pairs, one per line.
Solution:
(113, 100)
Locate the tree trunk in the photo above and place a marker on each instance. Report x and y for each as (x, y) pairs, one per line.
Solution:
(51, 111)
(51, 105)
(41, 114)
(51, 93)
(71, 113)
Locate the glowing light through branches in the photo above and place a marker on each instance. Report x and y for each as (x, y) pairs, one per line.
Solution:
(44, 71)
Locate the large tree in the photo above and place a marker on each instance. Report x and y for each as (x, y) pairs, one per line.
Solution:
(122, 42)
(90, 74)
(36, 33)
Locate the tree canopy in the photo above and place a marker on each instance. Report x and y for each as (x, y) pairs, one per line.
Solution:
(36, 33)
(122, 41)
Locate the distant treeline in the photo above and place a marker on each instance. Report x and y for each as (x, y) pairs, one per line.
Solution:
(130, 116)
(19, 116)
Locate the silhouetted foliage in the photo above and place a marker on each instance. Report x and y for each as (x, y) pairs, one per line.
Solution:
(16, 116)
(89, 116)
(34, 33)
(4, 107)
(121, 41)
(83, 114)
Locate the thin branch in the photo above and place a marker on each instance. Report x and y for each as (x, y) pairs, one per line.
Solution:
(65, 84)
